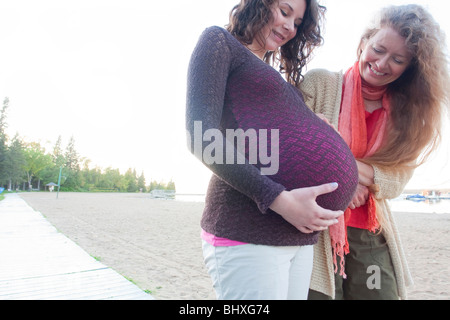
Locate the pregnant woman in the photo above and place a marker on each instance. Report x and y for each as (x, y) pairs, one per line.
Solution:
(260, 222)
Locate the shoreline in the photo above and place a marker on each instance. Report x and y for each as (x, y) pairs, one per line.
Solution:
(156, 242)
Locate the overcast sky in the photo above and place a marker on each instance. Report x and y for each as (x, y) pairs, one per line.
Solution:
(112, 74)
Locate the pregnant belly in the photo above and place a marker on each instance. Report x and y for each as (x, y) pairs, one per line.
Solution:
(318, 155)
(310, 153)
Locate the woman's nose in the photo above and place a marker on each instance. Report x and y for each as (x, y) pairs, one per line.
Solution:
(382, 63)
(289, 26)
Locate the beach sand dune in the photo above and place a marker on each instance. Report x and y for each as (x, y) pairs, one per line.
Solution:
(156, 243)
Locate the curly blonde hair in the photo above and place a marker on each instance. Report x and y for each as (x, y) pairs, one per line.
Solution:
(420, 96)
(249, 17)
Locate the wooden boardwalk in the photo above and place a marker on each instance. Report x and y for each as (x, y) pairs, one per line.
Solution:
(39, 263)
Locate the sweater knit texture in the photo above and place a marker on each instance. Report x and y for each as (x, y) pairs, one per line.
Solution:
(323, 91)
(230, 88)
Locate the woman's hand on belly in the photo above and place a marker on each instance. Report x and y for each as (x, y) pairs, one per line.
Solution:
(299, 208)
(360, 198)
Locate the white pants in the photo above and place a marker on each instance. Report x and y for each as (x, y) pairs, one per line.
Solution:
(254, 272)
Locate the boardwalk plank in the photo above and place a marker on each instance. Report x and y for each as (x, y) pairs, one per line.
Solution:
(39, 263)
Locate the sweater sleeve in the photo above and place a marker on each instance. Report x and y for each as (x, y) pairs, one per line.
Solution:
(322, 91)
(211, 63)
(391, 182)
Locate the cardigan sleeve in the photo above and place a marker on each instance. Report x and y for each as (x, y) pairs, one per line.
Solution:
(212, 61)
(322, 92)
(391, 182)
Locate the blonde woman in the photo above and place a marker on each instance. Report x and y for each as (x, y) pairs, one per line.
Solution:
(388, 107)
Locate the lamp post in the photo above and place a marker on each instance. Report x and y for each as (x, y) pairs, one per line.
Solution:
(59, 181)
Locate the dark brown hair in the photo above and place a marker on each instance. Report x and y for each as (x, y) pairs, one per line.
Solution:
(249, 17)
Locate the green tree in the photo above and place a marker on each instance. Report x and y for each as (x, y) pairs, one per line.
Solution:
(50, 174)
(58, 156)
(91, 177)
(112, 179)
(131, 179)
(155, 185)
(141, 183)
(73, 173)
(36, 161)
(71, 156)
(171, 185)
(15, 163)
(3, 141)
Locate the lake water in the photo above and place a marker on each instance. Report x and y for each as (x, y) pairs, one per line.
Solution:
(190, 197)
(428, 206)
(397, 205)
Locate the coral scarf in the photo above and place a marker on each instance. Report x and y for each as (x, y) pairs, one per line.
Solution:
(352, 127)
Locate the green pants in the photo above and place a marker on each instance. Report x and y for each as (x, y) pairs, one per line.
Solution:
(369, 270)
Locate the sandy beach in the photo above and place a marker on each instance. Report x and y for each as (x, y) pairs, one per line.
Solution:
(156, 243)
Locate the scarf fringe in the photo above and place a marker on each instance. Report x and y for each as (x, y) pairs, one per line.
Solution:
(341, 247)
(373, 224)
(340, 250)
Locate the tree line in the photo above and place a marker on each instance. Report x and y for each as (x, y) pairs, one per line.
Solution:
(27, 166)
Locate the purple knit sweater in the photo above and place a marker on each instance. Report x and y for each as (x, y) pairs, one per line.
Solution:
(230, 88)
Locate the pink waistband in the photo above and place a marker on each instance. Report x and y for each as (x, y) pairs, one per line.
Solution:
(219, 242)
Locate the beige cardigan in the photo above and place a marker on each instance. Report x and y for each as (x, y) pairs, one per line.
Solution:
(322, 92)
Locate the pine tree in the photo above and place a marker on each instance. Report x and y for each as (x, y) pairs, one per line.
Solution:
(58, 156)
(141, 182)
(15, 163)
(71, 156)
(130, 177)
(171, 185)
(3, 141)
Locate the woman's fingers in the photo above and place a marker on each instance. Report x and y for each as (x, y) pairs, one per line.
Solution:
(324, 189)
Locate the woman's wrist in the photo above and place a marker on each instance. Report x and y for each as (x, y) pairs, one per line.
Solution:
(279, 204)
(366, 174)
